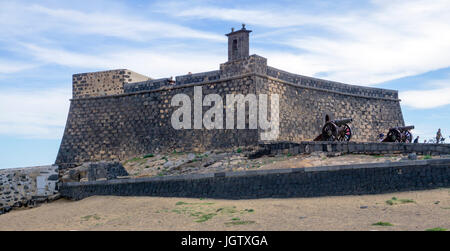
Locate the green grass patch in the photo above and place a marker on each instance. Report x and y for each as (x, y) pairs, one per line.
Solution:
(238, 222)
(226, 210)
(383, 224)
(137, 159)
(204, 211)
(427, 157)
(202, 217)
(395, 201)
(436, 229)
(88, 217)
(151, 155)
(177, 153)
(180, 203)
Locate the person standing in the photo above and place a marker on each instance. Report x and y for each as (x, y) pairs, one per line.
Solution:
(438, 136)
(416, 140)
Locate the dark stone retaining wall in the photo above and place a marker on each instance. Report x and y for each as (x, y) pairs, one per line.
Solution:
(354, 147)
(282, 183)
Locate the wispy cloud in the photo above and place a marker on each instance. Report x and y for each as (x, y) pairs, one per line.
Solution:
(150, 62)
(34, 113)
(21, 19)
(391, 39)
(426, 99)
(13, 66)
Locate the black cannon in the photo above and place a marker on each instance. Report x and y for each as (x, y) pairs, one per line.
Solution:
(400, 134)
(336, 130)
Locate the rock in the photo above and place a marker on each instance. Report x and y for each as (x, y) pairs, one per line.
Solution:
(191, 157)
(53, 177)
(318, 154)
(209, 162)
(216, 165)
(363, 207)
(412, 156)
(168, 164)
(171, 164)
(66, 178)
(333, 154)
(258, 153)
(54, 197)
(105, 170)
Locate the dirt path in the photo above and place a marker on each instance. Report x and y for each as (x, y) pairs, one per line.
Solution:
(410, 211)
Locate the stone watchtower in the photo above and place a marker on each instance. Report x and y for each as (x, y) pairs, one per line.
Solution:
(238, 44)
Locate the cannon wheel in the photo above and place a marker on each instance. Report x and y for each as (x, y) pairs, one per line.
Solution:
(408, 137)
(394, 136)
(346, 133)
(329, 132)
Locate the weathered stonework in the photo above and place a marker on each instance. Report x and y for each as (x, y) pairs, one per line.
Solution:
(103, 83)
(24, 186)
(130, 119)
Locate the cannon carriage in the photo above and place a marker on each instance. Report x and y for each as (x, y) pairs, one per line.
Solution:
(400, 134)
(336, 130)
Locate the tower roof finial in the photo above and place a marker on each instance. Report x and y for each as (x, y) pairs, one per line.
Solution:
(243, 26)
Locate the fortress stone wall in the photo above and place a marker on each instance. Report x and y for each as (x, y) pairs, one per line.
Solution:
(134, 118)
(102, 83)
(305, 103)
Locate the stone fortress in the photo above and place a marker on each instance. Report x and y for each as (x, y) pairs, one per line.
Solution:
(120, 114)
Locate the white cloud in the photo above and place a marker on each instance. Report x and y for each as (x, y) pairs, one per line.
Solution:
(8, 67)
(392, 39)
(34, 113)
(155, 64)
(426, 99)
(23, 20)
(273, 19)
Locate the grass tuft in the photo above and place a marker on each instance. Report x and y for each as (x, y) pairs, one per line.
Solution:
(436, 229)
(395, 201)
(238, 222)
(383, 224)
(88, 217)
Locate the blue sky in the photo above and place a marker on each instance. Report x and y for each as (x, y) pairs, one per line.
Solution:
(395, 44)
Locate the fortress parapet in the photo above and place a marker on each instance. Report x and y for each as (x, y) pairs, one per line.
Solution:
(102, 83)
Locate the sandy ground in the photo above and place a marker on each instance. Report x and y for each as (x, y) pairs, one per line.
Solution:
(419, 210)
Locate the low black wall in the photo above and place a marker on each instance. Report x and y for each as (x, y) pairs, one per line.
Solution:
(355, 147)
(283, 183)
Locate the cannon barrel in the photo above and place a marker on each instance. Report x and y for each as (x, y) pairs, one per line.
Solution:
(403, 128)
(340, 122)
